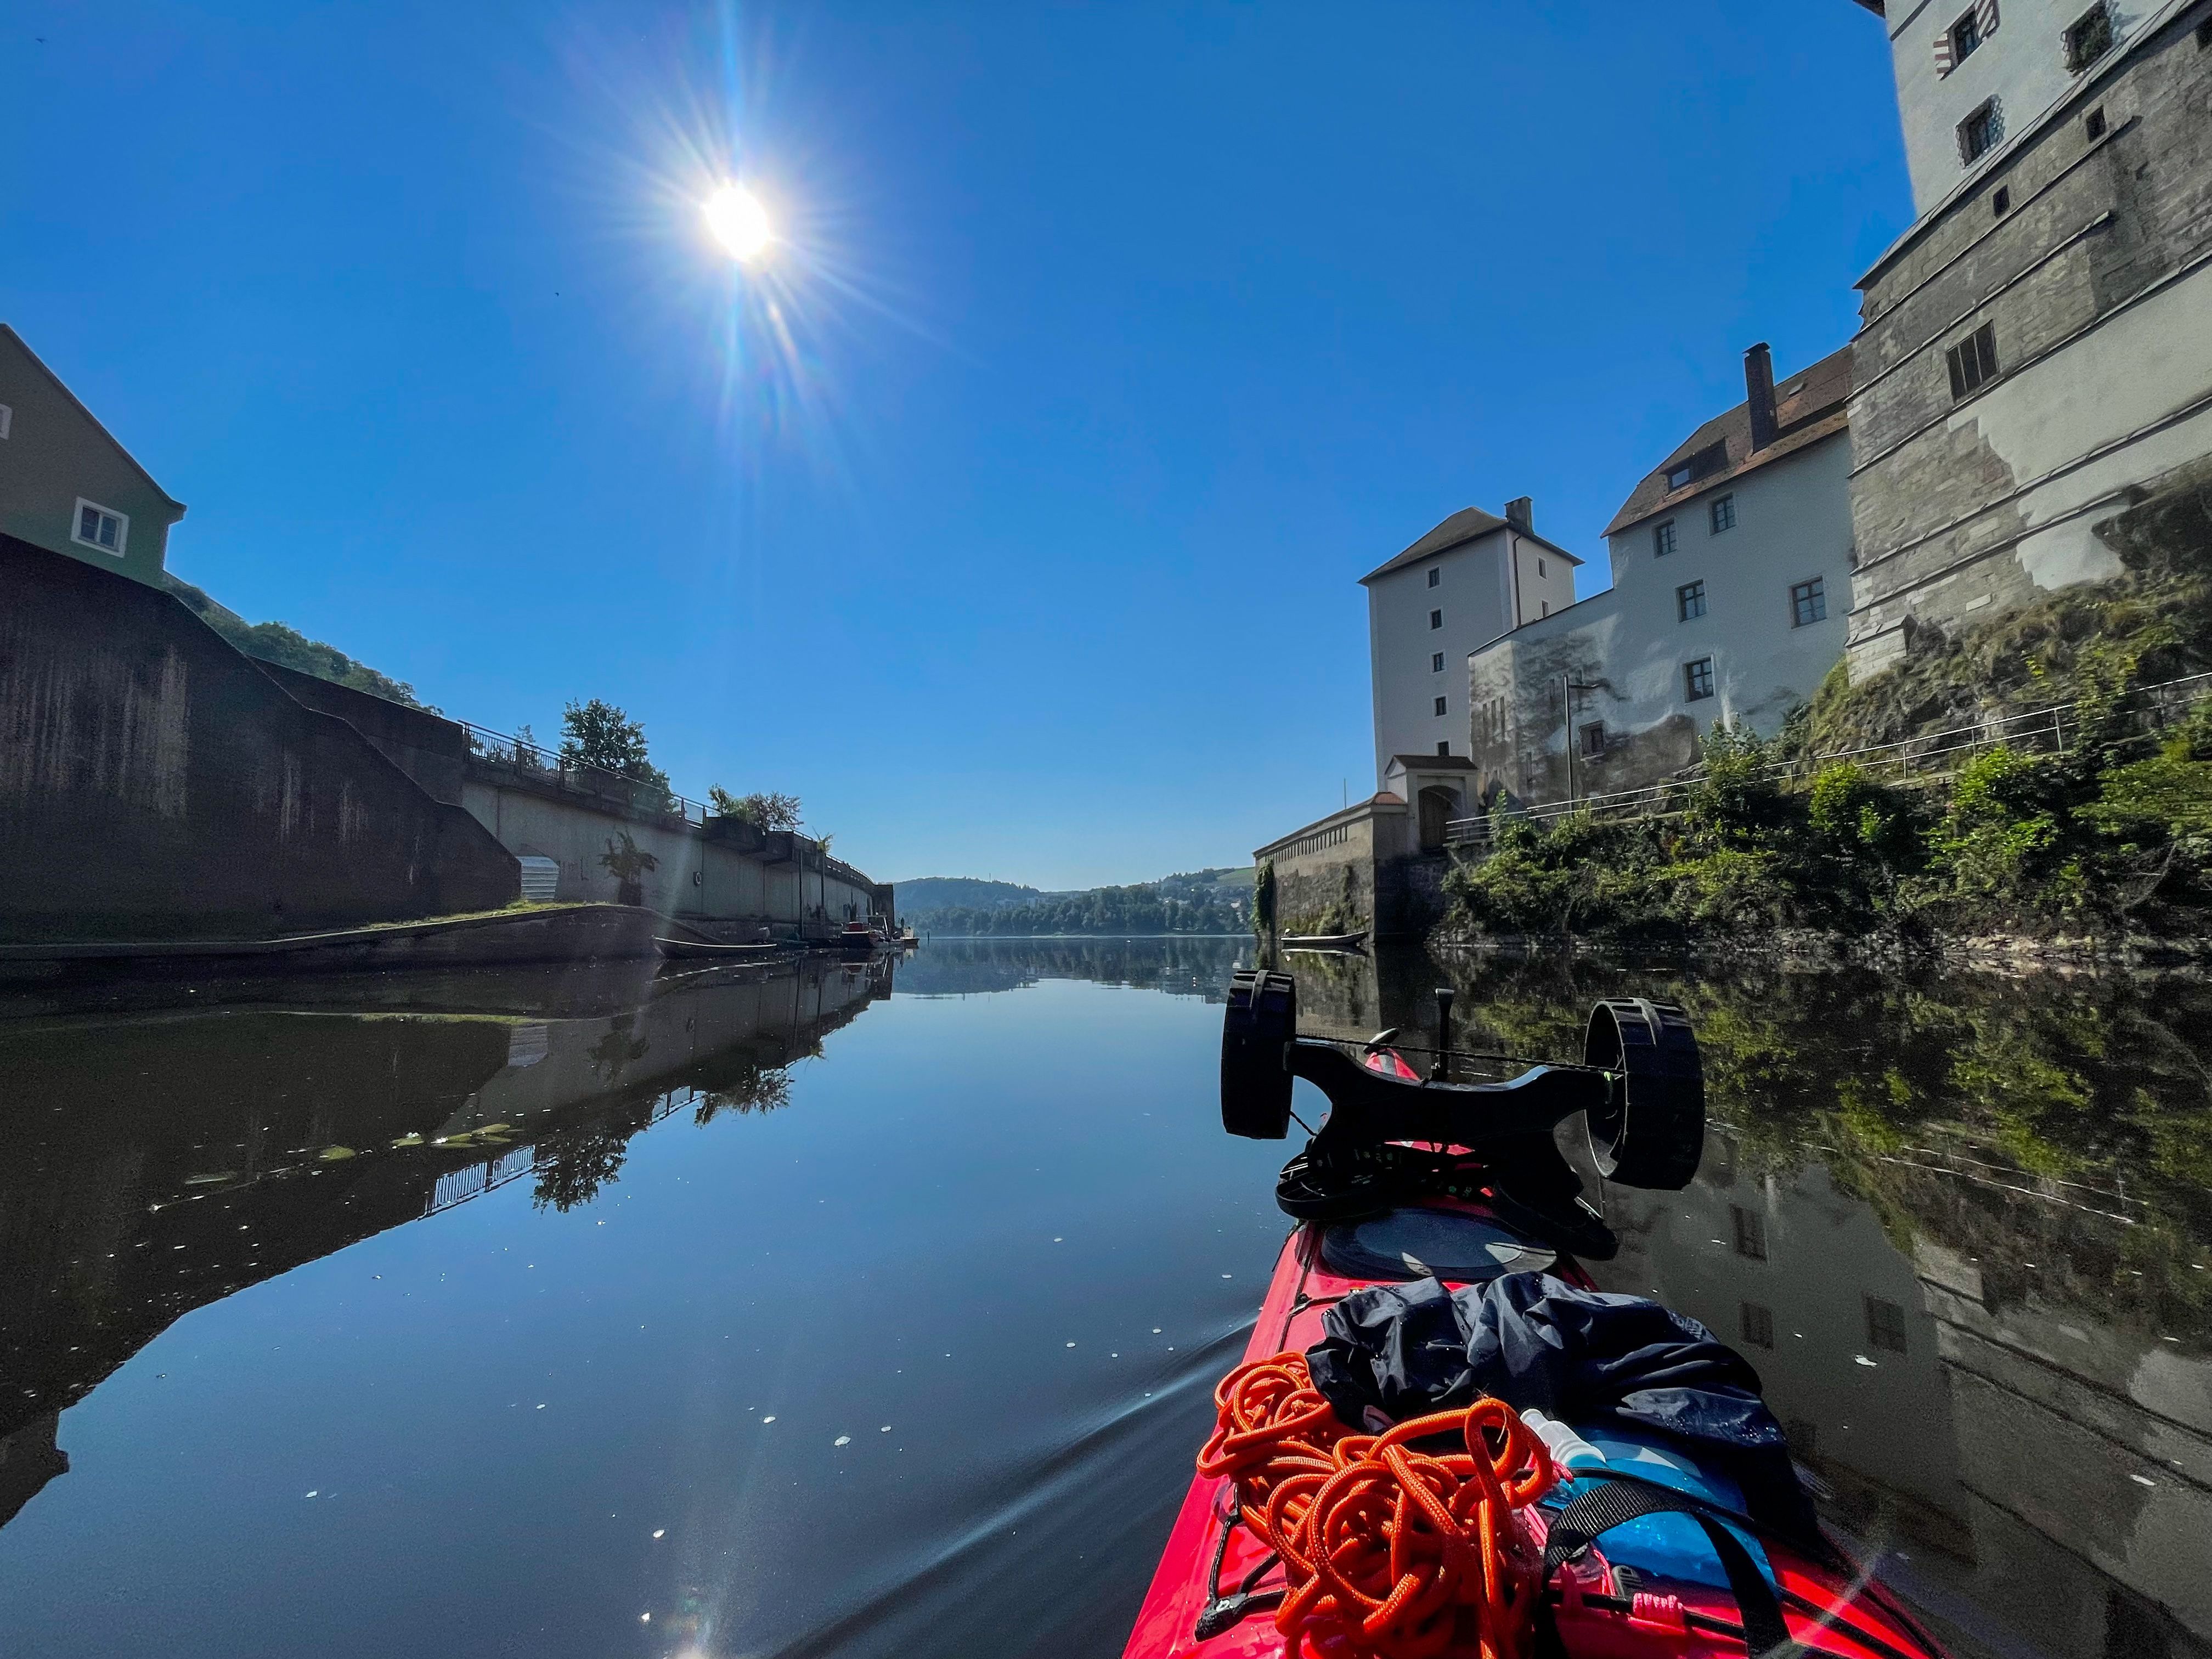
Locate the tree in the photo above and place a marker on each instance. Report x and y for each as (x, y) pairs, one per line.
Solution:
(767, 811)
(599, 735)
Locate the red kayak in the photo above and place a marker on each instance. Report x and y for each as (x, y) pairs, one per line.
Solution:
(1406, 1181)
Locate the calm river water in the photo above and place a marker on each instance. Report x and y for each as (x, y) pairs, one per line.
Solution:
(876, 1310)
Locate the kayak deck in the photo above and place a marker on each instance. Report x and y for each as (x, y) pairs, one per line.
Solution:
(1303, 1288)
(1210, 1558)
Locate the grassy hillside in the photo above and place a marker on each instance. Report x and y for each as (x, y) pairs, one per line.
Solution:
(287, 648)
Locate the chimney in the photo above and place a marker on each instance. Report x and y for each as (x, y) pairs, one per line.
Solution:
(1758, 388)
(1521, 513)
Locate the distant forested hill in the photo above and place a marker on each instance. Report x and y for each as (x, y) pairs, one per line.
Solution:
(963, 893)
(1203, 901)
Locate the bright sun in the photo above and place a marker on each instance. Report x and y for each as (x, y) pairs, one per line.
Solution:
(738, 221)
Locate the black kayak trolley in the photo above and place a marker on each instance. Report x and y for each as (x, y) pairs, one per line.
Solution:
(1639, 1087)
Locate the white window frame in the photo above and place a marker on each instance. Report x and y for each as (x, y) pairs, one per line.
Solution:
(122, 527)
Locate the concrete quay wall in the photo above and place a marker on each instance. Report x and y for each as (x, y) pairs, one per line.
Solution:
(723, 877)
(157, 784)
(725, 874)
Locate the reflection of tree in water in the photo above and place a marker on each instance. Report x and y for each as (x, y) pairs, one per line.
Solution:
(616, 1049)
(763, 1090)
(1195, 966)
(2062, 1122)
(573, 1165)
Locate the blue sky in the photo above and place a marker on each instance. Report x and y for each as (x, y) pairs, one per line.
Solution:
(1012, 515)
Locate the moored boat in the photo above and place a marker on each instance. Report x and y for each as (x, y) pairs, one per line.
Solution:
(1625, 1540)
(1324, 941)
(703, 950)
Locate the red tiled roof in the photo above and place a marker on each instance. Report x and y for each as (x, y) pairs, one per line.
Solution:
(1809, 406)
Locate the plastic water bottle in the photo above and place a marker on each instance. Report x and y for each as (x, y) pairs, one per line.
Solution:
(1569, 1451)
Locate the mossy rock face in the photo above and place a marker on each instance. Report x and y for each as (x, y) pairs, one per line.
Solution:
(2151, 624)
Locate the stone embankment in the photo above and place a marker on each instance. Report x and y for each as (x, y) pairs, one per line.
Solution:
(159, 789)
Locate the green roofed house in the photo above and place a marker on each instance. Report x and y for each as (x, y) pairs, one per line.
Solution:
(65, 484)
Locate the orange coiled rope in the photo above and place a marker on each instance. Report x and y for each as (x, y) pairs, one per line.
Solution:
(1388, 1551)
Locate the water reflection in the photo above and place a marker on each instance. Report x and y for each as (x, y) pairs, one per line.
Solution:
(1194, 966)
(160, 1163)
(911, 1354)
(1963, 1224)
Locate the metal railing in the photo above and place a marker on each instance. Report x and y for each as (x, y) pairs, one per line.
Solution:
(546, 765)
(2048, 730)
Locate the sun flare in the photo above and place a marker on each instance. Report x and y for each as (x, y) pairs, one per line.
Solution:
(738, 221)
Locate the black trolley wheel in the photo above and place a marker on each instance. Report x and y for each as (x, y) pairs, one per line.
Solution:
(1261, 1021)
(1651, 1131)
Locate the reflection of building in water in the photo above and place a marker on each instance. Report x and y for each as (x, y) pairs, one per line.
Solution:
(157, 1165)
(2014, 1451)
(28, 1459)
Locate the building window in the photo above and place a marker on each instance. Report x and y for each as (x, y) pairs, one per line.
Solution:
(1437, 577)
(1444, 749)
(1690, 600)
(1663, 539)
(1724, 514)
(1710, 459)
(1973, 361)
(1757, 1324)
(2089, 37)
(1697, 679)
(1436, 662)
(1750, 1233)
(2000, 203)
(1539, 567)
(1965, 36)
(96, 527)
(1593, 739)
(1808, 602)
(7, 419)
(1547, 603)
(1436, 619)
(2093, 123)
(1980, 132)
(1885, 1324)
(1440, 705)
